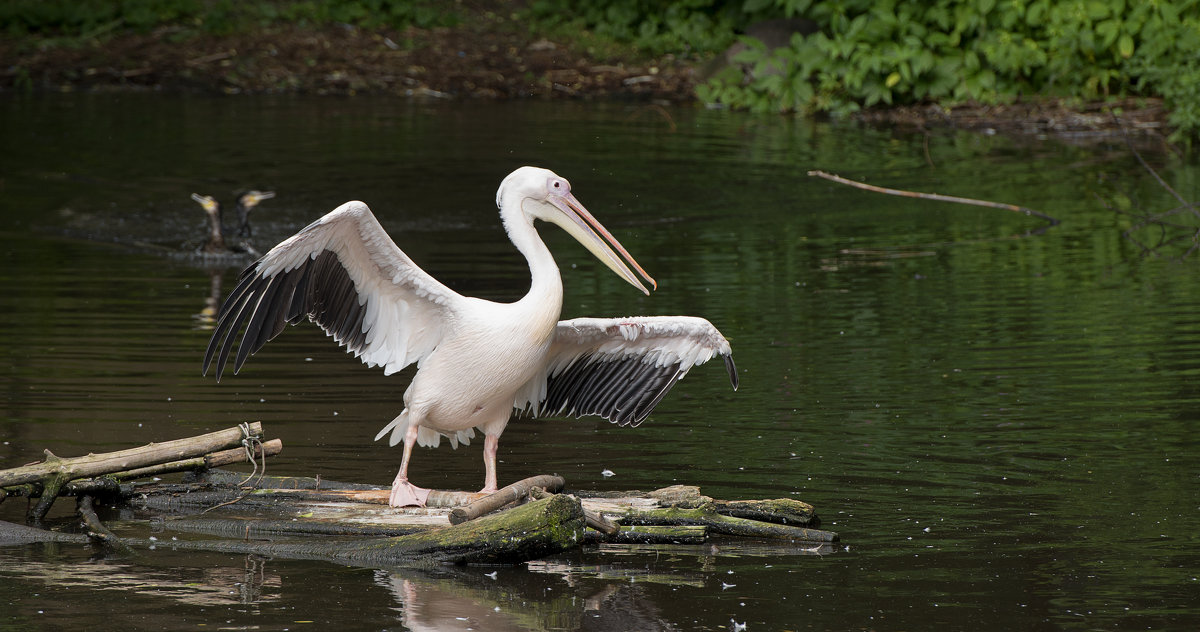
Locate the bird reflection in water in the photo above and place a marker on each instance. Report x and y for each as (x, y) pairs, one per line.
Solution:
(453, 604)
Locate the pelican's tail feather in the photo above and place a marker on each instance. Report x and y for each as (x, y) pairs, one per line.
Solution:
(398, 427)
(426, 437)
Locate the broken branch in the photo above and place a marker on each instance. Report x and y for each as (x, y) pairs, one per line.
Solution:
(111, 462)
(934, 196)
(504, 496)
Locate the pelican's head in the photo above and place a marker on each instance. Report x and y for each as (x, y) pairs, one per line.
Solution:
(211, 206)
(543, 194)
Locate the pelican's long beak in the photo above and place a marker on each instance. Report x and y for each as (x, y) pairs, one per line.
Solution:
(596, 238)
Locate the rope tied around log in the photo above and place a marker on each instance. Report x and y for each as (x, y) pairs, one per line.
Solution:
(253, 445)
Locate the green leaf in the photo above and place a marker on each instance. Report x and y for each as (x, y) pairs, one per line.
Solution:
(1125, 46)
(1097, 9)
(1107, 30)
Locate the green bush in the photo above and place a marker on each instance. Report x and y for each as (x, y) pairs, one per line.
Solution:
(988, 51)
(686, 27)
(882, 52)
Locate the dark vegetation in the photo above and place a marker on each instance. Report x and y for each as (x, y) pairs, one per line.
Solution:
(836, 56)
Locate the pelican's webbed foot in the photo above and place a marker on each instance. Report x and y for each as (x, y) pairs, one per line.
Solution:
(405, 494)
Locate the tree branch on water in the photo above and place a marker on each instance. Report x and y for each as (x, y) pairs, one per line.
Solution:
(1183, 232)
(96, 531)
(1145, 165)
(1051, 221)
(53, 477)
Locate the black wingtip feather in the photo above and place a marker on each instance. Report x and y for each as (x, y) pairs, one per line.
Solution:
(240, 312)
(251, 340)
(228, 310)
(658, 397)
(319, 289)
(732, 369)
(622, 390)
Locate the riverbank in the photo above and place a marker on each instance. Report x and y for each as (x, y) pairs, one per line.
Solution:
(490, 56)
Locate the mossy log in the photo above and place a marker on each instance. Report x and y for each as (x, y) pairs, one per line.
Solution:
(684, 505)
(533, 530)
(728, 525)
(657, 534)
(335, 512)
(777, 510)
(523, 533)
(353, 523)
(516, 492)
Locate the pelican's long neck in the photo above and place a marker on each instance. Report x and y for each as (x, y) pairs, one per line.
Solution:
(545, 290)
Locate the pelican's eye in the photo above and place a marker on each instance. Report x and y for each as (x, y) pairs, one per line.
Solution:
(557, 185)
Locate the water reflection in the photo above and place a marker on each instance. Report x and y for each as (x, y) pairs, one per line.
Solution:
(994, 425)
(622, 593)
(206, 318)
(218, 585)
(451, 605)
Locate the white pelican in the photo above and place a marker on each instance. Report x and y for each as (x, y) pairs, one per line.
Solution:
(477, 360)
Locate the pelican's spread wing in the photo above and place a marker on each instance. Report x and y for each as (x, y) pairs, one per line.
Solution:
(344, 273)
(620, 368)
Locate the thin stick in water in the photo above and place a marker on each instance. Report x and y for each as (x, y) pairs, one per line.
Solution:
(934, 196)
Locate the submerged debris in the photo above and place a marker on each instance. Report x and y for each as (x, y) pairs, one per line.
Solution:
(311, 518)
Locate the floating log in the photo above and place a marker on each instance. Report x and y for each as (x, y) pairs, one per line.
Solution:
(533, 530)
(58, 476)
(658, 534)
(123, 460)
(109, 484)
(208, 461)
(777, 510)
(728, 525)
(310, 518)
(592, 517)
(505, 495)
(96, 531)
(685, 506)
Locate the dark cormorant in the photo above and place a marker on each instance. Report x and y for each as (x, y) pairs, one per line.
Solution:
(215, 244)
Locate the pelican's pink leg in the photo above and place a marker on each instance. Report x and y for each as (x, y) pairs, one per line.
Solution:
(404, 493)
(490, 443)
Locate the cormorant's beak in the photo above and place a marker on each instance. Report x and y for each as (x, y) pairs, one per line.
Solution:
(252, 198)
(207, 202)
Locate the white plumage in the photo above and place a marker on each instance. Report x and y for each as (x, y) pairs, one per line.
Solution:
(477, 360)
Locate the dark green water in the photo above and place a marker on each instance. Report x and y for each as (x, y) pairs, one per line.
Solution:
(1001, 428)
